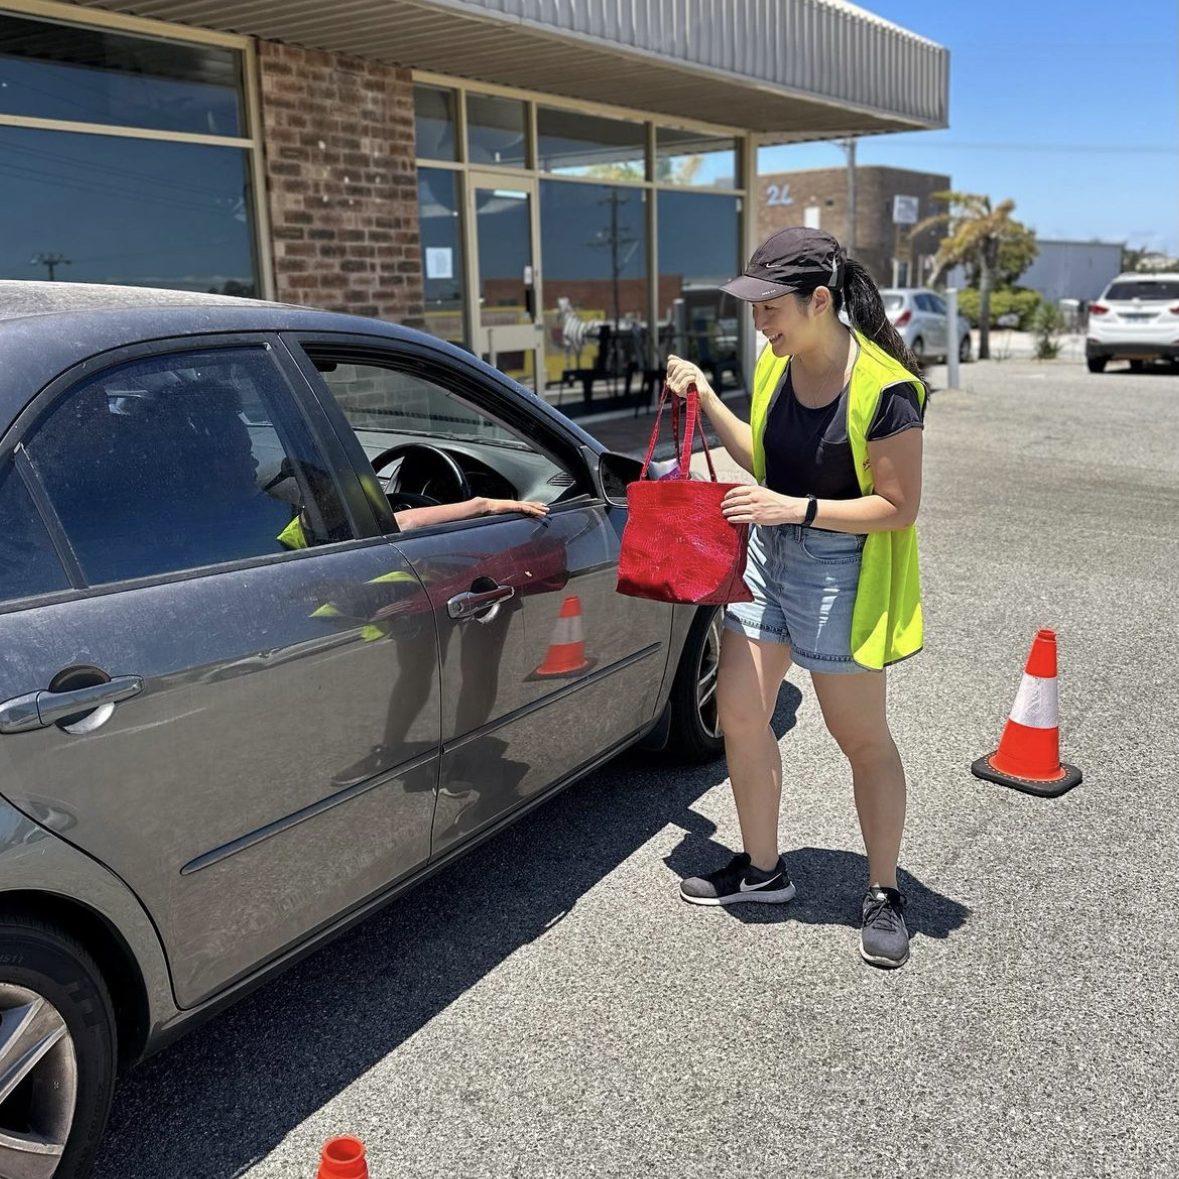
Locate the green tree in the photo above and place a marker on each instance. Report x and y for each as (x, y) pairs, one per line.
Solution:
(987, 241)
(1142, 258)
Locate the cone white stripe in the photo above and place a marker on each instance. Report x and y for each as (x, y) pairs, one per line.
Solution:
(1036, 704)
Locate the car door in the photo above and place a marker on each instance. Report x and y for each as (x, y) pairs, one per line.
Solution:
(545, 667)
(933, 325)
(216, 707)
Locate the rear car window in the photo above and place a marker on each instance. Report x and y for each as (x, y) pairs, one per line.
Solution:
(893, 302)
(28, 562)
(1144, 289)
(183, 461)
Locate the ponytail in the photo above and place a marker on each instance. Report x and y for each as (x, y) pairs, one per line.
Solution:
(865, 309)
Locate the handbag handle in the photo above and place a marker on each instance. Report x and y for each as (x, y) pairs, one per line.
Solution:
(692, 417)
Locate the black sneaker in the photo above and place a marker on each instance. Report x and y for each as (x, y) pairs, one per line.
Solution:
(884, 940)
(739, 881)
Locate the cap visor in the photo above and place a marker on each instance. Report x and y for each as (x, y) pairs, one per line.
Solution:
(755, 290)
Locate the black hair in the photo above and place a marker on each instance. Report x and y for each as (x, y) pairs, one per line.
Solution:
(865, 309)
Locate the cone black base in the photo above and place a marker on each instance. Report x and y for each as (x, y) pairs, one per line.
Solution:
(1051, 788)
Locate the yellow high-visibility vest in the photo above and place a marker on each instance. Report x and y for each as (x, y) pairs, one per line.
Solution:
(886, 623)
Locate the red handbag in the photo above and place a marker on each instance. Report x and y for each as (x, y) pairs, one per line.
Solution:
(676, 545)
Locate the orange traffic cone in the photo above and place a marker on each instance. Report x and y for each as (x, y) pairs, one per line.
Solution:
(1028, 757)
(343, 1158)
(566, 655)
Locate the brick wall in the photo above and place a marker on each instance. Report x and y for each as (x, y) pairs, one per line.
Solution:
(876, 237)
(338, 138)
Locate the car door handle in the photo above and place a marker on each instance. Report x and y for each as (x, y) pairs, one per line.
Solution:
(472, 604)
(39, 710)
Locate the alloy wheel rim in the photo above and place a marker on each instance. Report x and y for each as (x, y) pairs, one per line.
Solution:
(706, 705)
(38, 1084)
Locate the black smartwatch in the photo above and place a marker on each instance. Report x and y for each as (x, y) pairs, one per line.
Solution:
(812, 507)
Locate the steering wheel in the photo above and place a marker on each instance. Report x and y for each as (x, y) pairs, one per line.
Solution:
(455, 486)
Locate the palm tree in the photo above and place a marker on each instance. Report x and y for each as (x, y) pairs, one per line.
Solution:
(987, 241)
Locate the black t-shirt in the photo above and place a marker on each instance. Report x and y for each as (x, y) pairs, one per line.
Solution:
(807, 450)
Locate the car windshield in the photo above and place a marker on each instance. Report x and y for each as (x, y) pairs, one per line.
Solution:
(893, 302)
(1144, 289)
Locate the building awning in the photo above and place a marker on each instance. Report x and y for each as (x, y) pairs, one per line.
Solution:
(789, 69)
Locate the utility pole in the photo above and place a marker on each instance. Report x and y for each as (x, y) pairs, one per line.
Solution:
(615, 238)
(849, 148)
(50, 262)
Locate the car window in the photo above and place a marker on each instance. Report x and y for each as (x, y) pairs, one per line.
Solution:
(893, 302)
(937, 304)
(924, 302)
(28, 562)
(389, 406)
(1143, 289)
(182, 461)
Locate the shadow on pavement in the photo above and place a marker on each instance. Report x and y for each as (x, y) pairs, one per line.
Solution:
(224, 1096)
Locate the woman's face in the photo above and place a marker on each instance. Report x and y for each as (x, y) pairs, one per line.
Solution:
(785, 322)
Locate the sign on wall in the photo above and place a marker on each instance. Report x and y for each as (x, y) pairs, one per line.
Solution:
(904, 210)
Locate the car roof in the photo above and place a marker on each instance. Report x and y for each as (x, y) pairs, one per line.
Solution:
(47, 327)
(1147, 276)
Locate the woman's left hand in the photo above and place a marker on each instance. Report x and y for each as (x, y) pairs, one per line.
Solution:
(751, 504)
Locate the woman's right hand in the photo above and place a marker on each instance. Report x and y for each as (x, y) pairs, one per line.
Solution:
(682, 373)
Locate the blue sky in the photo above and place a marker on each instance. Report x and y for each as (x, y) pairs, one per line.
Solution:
(1071, 109)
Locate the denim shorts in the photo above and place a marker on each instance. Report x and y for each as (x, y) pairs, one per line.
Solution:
(803, 582)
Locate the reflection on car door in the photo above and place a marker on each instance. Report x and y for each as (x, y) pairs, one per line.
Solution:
(271, 772)
(545, 667)
(548, 680)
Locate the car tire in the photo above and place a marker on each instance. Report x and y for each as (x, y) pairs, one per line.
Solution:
(695, 734)
(918, 348)
(964, 354)
(50, 982)
(1096, 364)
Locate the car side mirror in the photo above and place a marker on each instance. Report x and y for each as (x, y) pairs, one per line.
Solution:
(612, 473)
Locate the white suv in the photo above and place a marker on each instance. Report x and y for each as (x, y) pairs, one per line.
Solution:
(1136, 319)
(919, 315)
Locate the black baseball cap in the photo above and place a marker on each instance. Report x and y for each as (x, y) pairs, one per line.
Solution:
(796, 258)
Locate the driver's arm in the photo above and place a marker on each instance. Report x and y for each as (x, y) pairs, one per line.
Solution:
(479, 506)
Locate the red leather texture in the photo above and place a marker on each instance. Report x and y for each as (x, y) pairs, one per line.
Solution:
(676, 545)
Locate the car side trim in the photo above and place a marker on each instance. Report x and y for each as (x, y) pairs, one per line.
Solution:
(552, 698)
(308, 812)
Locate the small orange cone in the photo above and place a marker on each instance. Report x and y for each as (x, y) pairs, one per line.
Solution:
(566, 655)
(343, 1158)
(1028, 757)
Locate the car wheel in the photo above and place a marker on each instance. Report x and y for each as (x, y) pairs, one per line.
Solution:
(57, 1052)
(1096, 364)
(695, 726)
(918, 348)
(964, 350)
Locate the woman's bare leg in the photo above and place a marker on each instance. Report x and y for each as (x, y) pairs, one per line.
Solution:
(749, 676)
(854, 710)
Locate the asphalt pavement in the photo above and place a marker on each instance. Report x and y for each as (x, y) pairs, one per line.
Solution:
(548, 1007)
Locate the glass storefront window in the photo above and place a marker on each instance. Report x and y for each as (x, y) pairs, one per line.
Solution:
(573, 144)
(699, 248)
(496, 131)
(93, 75)
(695, 160)
(443, 278)
(594, 251)
(145, 212)
(435, 123)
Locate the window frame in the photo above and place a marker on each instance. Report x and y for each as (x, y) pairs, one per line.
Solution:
(301, 403)
(471, 382)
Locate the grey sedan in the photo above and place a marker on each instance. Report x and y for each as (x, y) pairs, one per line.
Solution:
(241, 706)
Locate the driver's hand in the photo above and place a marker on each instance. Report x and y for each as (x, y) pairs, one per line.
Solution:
(529, 507)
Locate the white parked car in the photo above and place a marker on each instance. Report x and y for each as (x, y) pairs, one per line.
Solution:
(919, 315)
(1136, 319)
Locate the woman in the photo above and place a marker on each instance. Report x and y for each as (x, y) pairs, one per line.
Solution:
(835, 445)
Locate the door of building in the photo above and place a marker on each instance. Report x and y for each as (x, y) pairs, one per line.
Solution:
(502, 214)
